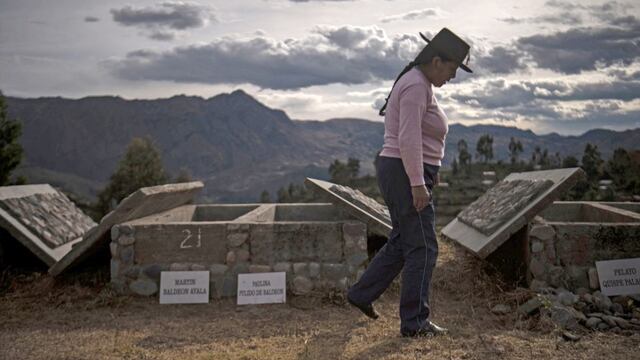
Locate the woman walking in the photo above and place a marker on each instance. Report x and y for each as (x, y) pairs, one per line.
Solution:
(407, 169)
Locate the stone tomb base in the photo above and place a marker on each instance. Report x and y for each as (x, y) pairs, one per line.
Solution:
(568, 238)
(561, 245)
(319, 247)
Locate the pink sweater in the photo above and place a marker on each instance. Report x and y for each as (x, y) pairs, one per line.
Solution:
(415, 126)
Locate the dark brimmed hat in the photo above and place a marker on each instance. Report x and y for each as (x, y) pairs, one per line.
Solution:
(450, 45)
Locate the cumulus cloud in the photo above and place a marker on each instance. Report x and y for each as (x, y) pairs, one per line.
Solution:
(583, 49)
(91, 19)
(329, 55)
(500, 94)
(562, 105)
(290, 100)
(351, 36)
(415, 15)
(553, 115)
(497, 60)
(378, 95)
(563, 5)
(597, 119)
(612, 13)
(611, 37)
(365, 94)
(598, 8)
(624, 74)
(494, 94)
(162, 36)
(616, 90)
(564, 18)
(304, 1)
(603, 105)
(163, 20)
(348, 55)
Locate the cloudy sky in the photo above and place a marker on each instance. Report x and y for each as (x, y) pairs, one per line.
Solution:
(548, 66)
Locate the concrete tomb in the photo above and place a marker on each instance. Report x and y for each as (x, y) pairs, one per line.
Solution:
(517, 226)
(318, 246)
(569, 237)
(42, 219)
(143, 202)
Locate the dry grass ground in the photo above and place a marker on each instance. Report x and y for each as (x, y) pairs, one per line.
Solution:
(79, 318)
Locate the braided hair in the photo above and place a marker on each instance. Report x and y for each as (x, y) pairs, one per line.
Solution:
(426, 55)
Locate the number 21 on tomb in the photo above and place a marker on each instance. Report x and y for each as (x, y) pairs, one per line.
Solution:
(185, 243)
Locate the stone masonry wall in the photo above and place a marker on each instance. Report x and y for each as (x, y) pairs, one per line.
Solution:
(317, 256)
(564, 254)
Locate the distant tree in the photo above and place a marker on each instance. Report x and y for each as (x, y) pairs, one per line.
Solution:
(621, 169)
(10, 149)
(353, 165)
(585, 190)
(582, 190)
(515, 149)
(264, 197)
(344, 173)
(545, 161)
(569, 162)
(140, 166)
(557, 160)
(183, 176)
(536, 156)
(592, 162)
(283, 195)
(294, 190)
(484, 148)
(294, 193)
(463, 153)
(633, 185)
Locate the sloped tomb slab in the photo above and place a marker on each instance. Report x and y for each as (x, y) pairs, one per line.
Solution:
(355, 203)
(143, 202)
(507, 207)
(42, 219)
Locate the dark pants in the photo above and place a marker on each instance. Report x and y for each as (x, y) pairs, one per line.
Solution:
(412, 247)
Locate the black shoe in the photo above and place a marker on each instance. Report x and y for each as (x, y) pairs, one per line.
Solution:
(368, 309)
(428, 330)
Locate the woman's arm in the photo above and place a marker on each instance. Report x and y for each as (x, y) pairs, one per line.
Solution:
(413, 106)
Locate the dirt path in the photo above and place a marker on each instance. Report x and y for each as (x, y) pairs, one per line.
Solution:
(72, 319)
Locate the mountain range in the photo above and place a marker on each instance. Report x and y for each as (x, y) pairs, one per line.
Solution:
(235, 144)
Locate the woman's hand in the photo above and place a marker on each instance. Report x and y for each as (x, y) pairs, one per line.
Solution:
(420, 196)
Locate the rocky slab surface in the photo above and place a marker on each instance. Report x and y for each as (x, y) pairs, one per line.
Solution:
(50, 216)
(143, 202)
(501, 203)
(359, 199)
(354, 203)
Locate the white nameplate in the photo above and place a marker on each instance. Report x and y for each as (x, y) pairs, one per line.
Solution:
(184, 287)
(262, 288)
(619, 277)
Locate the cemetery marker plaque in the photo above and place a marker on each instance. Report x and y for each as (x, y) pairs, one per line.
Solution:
(184, 287)
(488, 222)
(619, 277)
(362, 207)
(262, 288)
